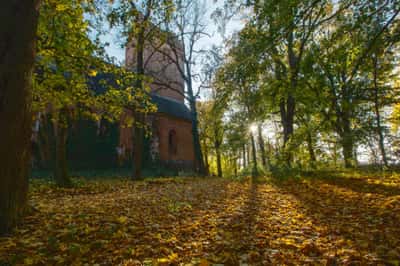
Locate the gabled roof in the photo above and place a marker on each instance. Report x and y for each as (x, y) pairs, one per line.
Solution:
(171, 107)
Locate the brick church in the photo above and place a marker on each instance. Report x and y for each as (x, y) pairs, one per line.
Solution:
(171, 140)
(105, 145)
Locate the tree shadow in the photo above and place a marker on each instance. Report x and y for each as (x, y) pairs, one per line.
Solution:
(359, 229)
(236, 237)
(359, 185)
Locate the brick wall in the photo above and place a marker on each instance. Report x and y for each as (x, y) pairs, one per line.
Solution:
(165, 72)
(184, 138)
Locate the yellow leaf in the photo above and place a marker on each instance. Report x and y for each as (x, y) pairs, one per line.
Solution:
(28, 261)
(173, 256)
(92, 73)
(122, 219)
(204, 262)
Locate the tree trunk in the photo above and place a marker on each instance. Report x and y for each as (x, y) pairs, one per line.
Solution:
(195, 128)
(244, 156)
(310, 148)
(138, 130)
(379, 128)
(347, 143)
(253, 146)
(206, 163)
(287, 111)
(217, 146)
(262, 146)
(290, 104)
(235, 165)
(219, 164)
(61, 170)
(248, 154)
(138, 136)
(18, 23)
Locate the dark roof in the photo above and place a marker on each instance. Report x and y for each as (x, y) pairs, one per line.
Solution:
(100, 82)
(171, 107)
(164, 105)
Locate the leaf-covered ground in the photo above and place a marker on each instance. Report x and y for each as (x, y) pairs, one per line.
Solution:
(197, 221)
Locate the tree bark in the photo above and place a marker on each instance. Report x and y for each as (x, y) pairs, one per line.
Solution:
(235, 165)
(219, 164)
(310, 148)
(61, 170)
(262, 146)
(138, 130)
(18, 24)
(379, 128)
(244, 156)
(206, 163)
(347, 143)
(287, 111)
(217, 146)
(253, 146)
(195, 128)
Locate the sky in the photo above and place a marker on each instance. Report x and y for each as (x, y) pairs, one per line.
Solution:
(115, 49)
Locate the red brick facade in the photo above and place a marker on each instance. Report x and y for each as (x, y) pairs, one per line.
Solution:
(183, 139)
(171, 140)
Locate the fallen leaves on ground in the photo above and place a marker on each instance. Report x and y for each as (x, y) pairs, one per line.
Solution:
(204, 221)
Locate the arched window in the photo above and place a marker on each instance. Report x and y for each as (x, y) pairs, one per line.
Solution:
(172, 142)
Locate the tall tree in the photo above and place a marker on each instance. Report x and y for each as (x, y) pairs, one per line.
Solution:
(142, 26)
(68, 63)
(187, 26)
(17, 52)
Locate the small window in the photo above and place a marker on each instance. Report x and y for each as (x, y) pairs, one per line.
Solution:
(172, 142)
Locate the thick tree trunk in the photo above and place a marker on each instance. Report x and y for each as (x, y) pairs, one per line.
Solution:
(262, 146)
(289, 106)
(347, 144)
(18, 23)
(61, 169)
(287, 111)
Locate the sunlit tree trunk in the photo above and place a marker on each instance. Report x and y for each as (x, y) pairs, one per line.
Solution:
(18, 23)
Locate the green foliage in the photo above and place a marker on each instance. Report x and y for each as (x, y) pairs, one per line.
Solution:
(322, 72)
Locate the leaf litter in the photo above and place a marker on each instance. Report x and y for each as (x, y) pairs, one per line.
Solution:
(210, 221)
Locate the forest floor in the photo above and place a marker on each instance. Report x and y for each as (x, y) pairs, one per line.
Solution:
(320, 220)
